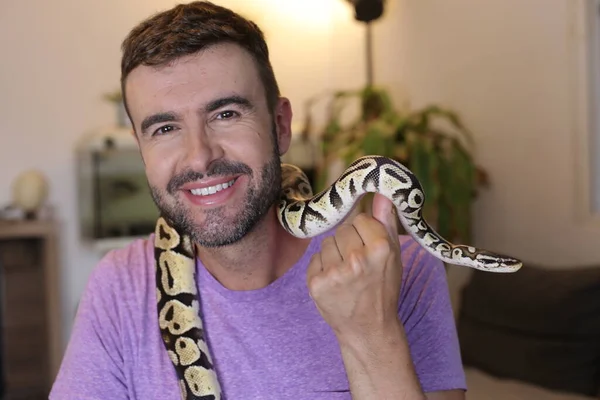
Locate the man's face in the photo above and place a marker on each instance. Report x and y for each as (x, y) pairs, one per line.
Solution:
(209, 143)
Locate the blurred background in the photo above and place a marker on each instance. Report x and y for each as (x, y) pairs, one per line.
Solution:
(492, 104)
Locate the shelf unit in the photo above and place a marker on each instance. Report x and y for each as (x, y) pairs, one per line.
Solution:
(30, 339)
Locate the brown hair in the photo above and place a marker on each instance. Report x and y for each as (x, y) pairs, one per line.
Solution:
(189, 28)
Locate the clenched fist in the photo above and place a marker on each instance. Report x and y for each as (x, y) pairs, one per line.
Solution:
(355, 279)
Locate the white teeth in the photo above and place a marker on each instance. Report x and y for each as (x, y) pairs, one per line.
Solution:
(212, 189)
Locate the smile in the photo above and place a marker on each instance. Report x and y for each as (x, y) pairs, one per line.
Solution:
(212, 189)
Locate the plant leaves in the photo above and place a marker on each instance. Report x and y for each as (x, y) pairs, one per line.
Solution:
(460, 194)
(435, 152)
(424, 164)
(445, 217)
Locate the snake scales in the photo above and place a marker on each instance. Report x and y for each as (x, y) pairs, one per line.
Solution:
(302, 215)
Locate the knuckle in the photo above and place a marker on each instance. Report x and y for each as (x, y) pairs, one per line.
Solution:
(338, 276)
(315, 280)
(328, 241)
(345, 227)
(345, 230)
(357, 256)
(316, 257)
(361, 218)
(381, 246)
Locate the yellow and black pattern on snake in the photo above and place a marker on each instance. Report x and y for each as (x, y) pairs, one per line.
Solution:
(303, 215)
(179, 314)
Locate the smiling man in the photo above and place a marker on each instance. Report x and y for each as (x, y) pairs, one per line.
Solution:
(345, 315)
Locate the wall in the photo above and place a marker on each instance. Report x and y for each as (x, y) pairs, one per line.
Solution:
(510, 68)
(504, 65)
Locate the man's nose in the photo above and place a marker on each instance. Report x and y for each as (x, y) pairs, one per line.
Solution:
(200, 151)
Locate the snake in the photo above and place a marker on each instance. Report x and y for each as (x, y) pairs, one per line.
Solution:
(304, 215)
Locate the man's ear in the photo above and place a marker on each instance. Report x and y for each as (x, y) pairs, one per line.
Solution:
(283, 124)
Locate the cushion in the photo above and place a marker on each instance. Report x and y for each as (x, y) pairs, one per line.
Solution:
(483, 386)
(537, 325)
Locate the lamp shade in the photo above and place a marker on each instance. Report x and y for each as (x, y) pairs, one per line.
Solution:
(367, 10)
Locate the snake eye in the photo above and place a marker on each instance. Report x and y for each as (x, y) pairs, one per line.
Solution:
(306, 189)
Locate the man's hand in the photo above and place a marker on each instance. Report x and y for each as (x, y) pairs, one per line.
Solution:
(355, 280)
(355, 283)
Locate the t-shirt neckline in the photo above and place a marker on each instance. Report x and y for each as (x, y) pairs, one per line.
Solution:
(288, 281)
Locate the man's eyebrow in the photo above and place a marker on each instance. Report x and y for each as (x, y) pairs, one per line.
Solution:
(211, 106)
(225, 101)
(158, 118)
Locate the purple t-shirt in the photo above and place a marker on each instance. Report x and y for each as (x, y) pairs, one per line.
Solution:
(269, 343)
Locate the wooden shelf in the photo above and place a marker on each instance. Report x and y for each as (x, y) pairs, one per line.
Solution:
(30, 316)
(24, 229)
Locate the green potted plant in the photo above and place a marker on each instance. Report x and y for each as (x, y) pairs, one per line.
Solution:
(432, 142)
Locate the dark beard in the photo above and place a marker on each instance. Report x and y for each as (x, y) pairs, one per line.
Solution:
(217, 230)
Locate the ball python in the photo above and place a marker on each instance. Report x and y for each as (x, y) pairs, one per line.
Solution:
(302, 215)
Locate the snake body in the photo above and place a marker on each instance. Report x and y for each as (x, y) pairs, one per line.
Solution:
(303, 215)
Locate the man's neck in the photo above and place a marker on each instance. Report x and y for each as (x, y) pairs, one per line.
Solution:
(258, 259)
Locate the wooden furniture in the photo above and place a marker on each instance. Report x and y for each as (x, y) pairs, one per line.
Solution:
(30, 348)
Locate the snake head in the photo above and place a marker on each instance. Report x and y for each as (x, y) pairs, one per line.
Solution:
(294, 183)
(485, 260)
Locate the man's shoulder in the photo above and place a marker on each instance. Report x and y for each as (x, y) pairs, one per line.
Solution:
(126, 267)
(420, 267)
(134, 253)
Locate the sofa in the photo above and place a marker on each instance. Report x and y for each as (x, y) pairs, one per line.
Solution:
(530, 335)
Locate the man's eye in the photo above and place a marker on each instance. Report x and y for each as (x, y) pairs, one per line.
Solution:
(226, 114)
(163, 129)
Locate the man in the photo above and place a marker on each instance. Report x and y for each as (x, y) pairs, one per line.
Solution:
(344, 315)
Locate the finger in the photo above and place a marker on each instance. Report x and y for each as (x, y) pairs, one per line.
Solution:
(377, 238)
(348, 240)
(370, 229)
(384, 211)
(315, 267)
(330, 254)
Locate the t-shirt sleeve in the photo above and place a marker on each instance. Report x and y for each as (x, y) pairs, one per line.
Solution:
(92, 366)
(428, 319)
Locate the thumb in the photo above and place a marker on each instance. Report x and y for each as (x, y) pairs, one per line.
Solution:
(384, 211)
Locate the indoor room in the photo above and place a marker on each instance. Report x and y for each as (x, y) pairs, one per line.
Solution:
(491, 105)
